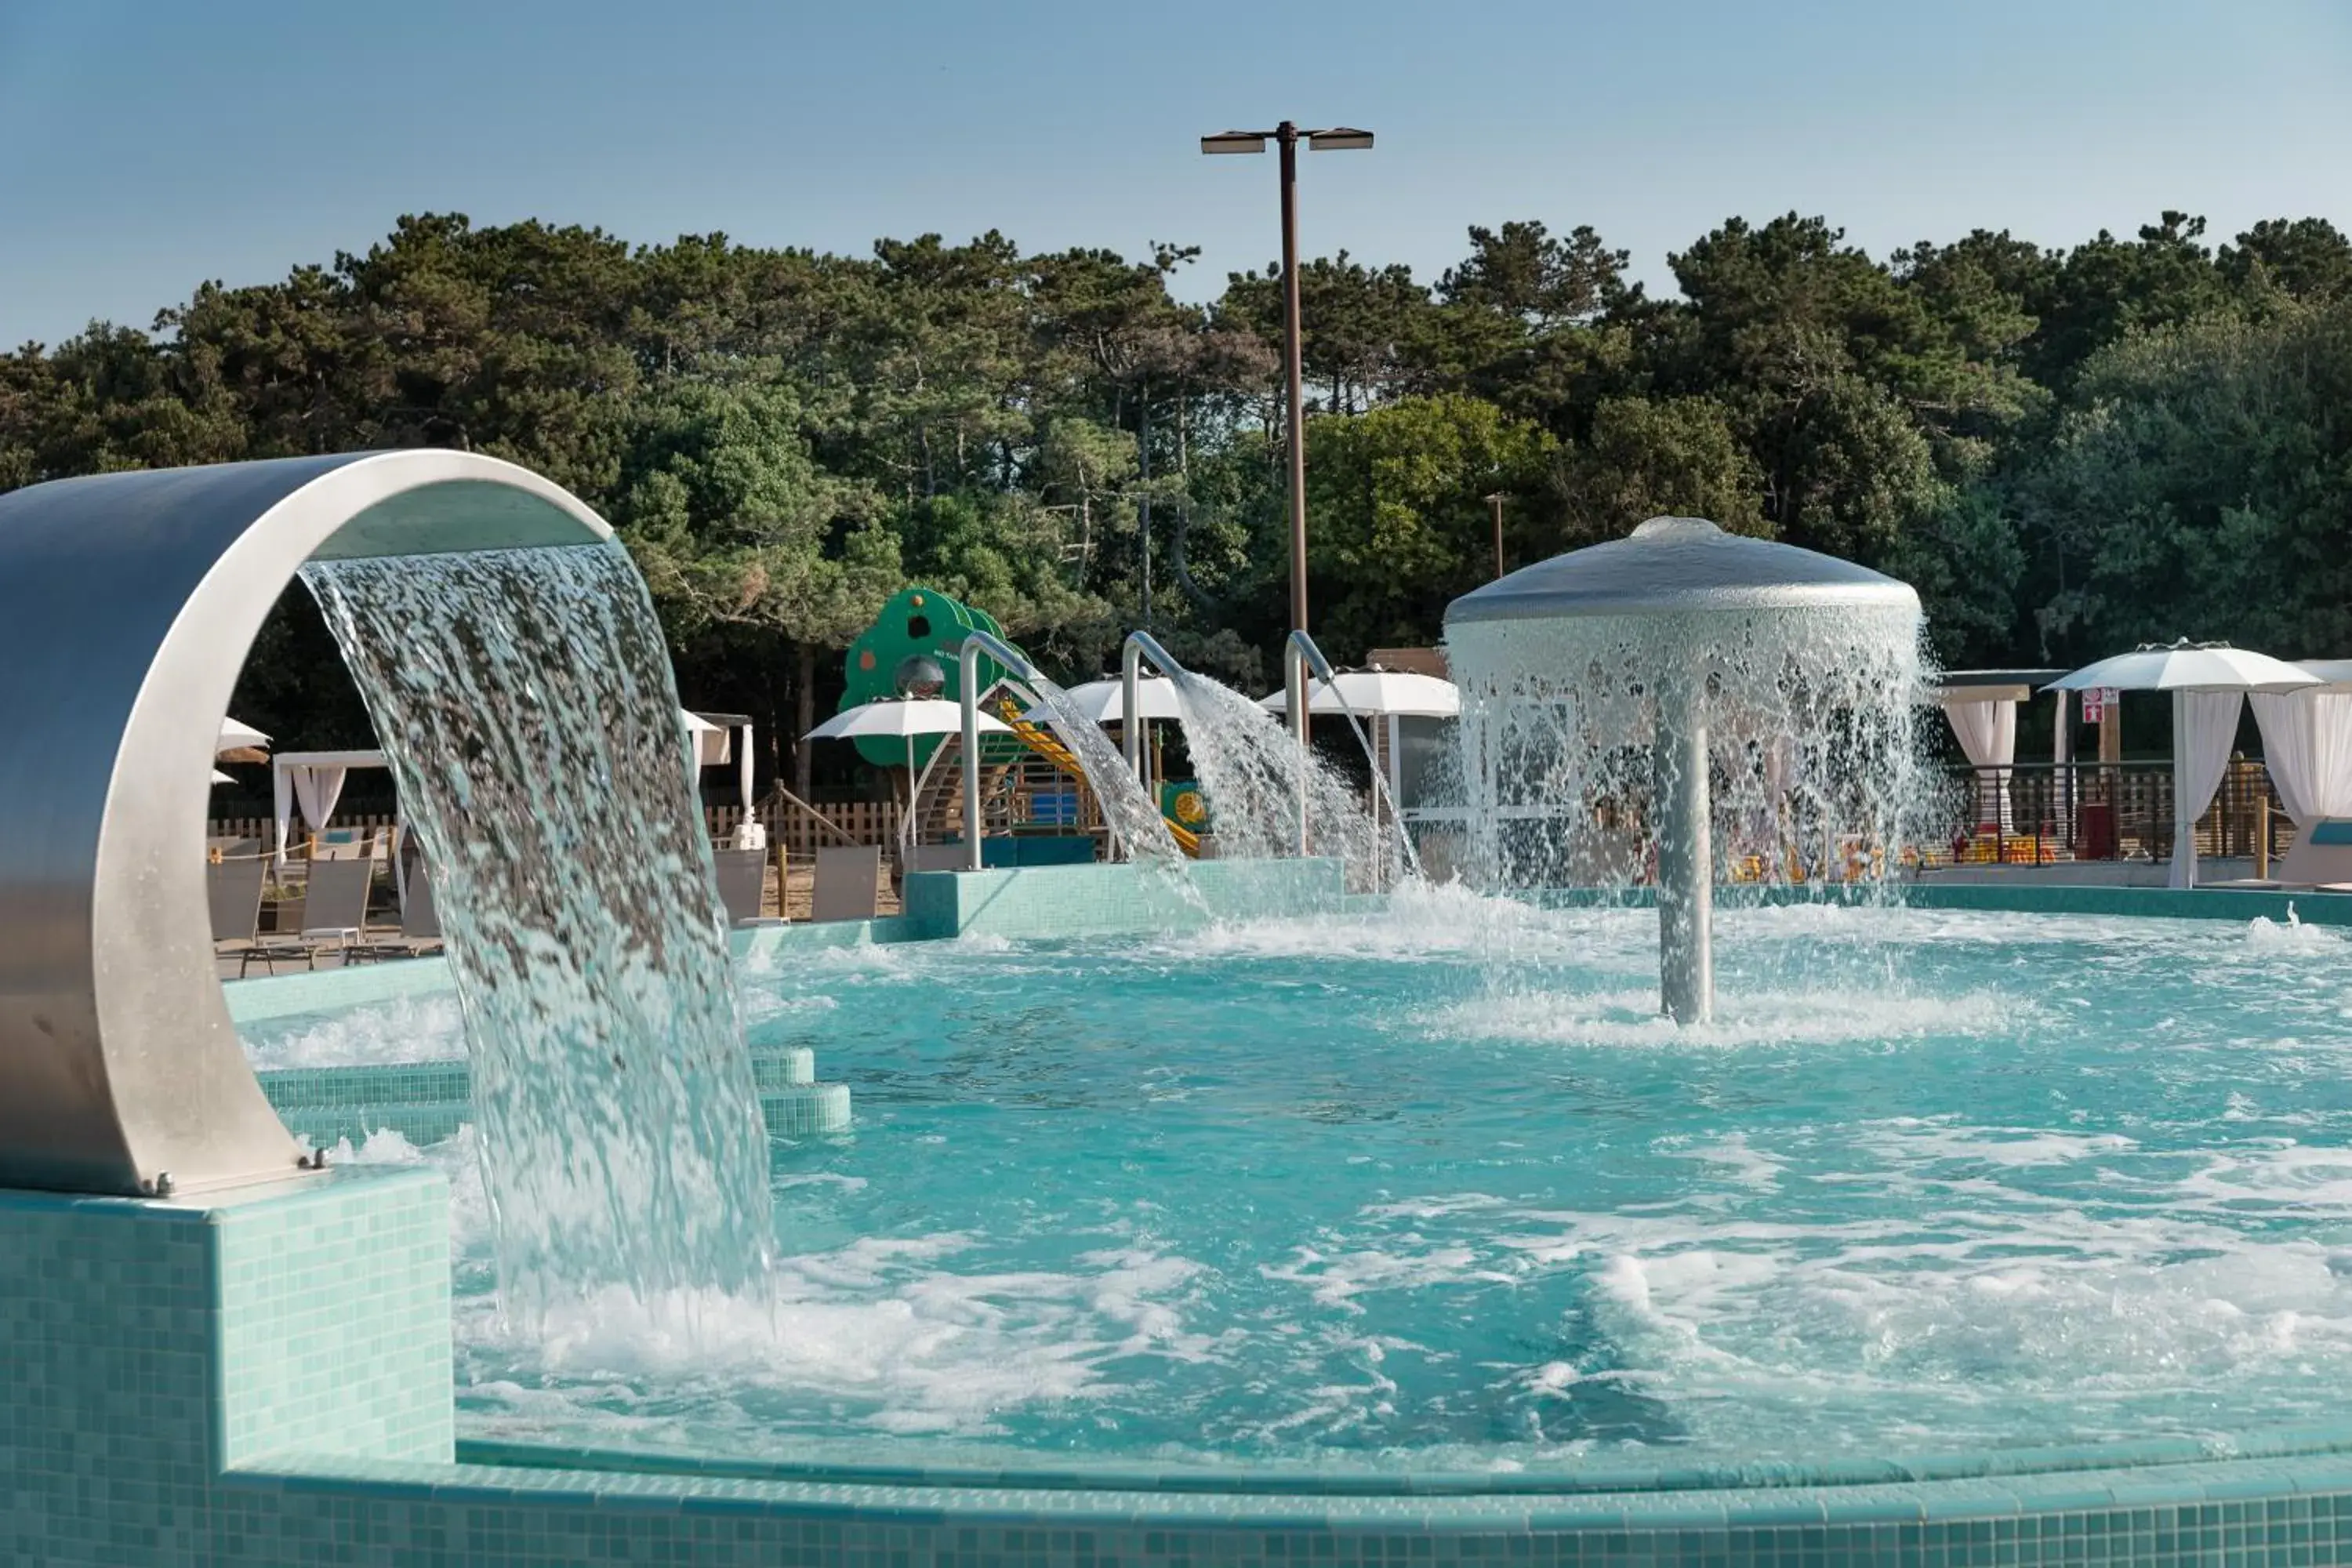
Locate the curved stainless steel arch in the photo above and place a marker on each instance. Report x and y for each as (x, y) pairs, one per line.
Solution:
(127, 603)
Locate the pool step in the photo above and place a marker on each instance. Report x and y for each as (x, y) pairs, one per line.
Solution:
(428, 1102)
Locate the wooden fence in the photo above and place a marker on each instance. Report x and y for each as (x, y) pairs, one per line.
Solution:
(790, 825)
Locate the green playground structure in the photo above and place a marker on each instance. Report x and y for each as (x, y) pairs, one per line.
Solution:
(911, 650)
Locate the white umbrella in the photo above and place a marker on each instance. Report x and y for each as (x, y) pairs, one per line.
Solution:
(235, 736)
(1394, 692)
(2186, 667)
(2209, 682)
(1103, 701)
(906, 717)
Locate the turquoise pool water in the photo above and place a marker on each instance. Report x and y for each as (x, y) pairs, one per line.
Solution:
(1436, 1189)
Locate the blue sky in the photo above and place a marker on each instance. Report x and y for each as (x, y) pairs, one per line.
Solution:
(144, 147)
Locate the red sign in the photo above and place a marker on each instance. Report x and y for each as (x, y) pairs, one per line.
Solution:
(2096, 703)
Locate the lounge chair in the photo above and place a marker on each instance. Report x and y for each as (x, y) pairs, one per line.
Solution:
(847, 883)
(420, 917)
(743, 882)
(2320, 860)
(334, 918)
(232, 889)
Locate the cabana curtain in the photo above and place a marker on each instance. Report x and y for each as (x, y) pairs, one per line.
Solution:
(2204, 723)
(1986, 731)
(2307, 742)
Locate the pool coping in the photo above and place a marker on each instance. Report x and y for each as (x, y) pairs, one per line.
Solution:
(2190, 1495)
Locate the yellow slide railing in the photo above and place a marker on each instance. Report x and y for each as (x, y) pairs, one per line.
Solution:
(1048, 745)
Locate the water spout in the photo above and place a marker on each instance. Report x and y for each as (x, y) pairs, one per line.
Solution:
(975, 645)
(1140, 646)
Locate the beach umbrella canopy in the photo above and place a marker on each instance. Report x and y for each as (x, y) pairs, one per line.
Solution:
(2186, 667)
(908, 717)
(1104, 702)
(241, 742)
(1386, 692)
(2207, 682)
(905, 717)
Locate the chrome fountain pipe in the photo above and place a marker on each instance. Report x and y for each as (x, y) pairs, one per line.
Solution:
(968, 662)
(1678, 762)
(1140, 646)
(1300, 655)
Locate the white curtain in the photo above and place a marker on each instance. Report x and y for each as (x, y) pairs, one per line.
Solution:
(743, 767)
(2062, 777)
(2307, 745)
(316, 788)
(2203, 725)
(281, 789)
(1987, 734)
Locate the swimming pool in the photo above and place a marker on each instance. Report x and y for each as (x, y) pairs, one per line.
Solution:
(1434, 1189)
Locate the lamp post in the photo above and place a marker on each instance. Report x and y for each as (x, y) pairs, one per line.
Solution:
(1288, 136)
(1495, 500)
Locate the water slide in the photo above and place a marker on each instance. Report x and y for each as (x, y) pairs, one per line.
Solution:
(1041, 740)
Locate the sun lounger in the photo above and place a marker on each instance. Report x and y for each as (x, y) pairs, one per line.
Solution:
(232, 889)
(847, 883)
(743, 882)
(420, 917)
(334, 918)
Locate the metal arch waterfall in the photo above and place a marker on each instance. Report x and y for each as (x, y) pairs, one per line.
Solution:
(968, 659)
(127, 603)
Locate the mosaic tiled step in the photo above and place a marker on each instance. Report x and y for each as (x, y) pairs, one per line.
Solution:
(425, 1083)
(428, 1102)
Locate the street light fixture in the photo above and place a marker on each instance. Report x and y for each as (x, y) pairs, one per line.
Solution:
(1286, 136)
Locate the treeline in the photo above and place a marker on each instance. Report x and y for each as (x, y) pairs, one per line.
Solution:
(2067, 450)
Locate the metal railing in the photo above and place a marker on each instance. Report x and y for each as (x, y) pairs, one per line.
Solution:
(2044, 813)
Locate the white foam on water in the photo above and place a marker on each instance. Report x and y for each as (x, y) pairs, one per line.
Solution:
(895, 1341)
(1631, 1018)
(423, 1028)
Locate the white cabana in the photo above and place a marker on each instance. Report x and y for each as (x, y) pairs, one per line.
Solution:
(2209, 682)
(719, 739)
(314, 780)
(1983, 718)
(2307, 742)
(1104, 702)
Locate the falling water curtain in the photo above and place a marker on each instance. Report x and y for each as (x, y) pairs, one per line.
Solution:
(2204, 723)
(1987, 734)
(2308, 746)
